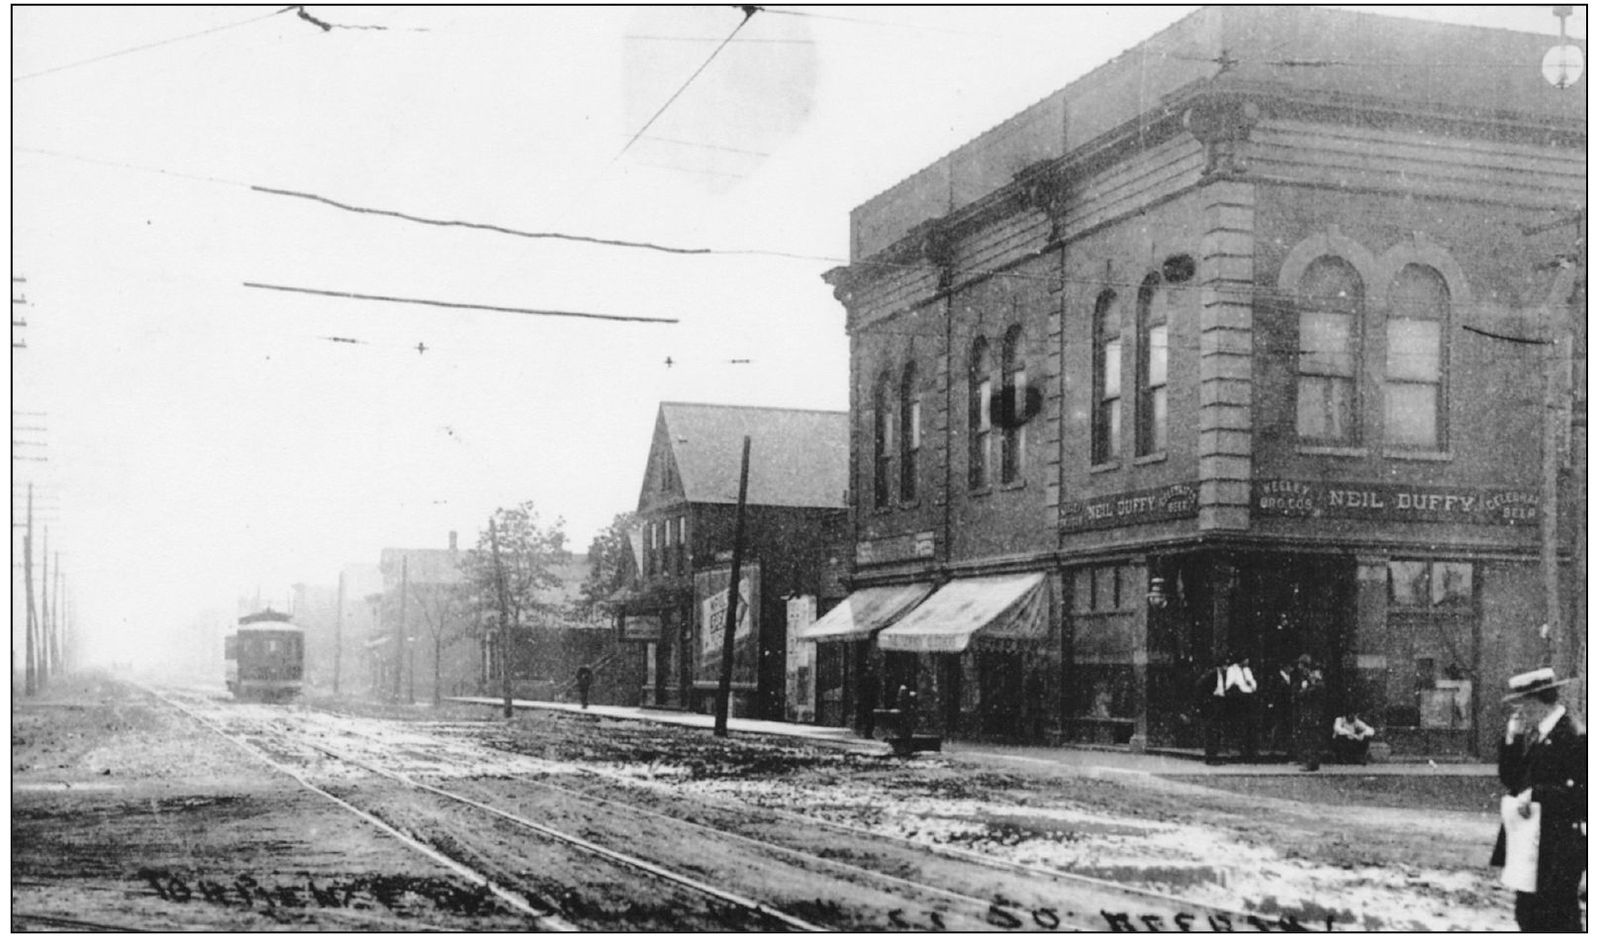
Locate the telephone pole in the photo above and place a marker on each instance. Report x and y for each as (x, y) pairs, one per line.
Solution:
(399, 637)
(45, 668)
(504, 633)
(338, 633)
(31, 669)
(723, 693)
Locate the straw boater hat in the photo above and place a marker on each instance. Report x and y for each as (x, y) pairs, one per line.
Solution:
(1526, 684)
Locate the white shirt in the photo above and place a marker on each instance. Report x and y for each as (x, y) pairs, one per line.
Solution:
(1241, 678)
(1354, 728)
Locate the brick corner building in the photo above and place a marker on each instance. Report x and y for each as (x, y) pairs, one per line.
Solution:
(1213, 354)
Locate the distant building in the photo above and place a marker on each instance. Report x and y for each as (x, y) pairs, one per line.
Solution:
(1227, 349)
(794, 548)
(426, 639)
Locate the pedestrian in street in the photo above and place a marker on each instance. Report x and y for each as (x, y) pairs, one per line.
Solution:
(584, 682)
(1308, 712)
(1543, 763)
(1209, 696)
(1350, 738)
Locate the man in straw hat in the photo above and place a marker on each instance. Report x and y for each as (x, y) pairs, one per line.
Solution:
(1543, 762)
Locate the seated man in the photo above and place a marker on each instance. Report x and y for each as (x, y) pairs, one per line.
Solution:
(1350, 739)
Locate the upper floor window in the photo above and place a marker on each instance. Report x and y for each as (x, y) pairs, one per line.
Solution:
(1330, 311)
(1415, 339)
(666, 560)
(981, 415)
(654, 547)
(1013, 461)
(1106, 345)
(1153, 361)
(682, 544)
(882, 404)
(909, 421)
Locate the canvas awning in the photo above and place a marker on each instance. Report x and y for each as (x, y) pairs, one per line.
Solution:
(1001, 607)
(864, 612)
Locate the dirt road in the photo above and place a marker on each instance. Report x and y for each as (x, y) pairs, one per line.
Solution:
(129, 813)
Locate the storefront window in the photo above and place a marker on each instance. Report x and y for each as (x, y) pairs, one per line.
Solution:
(1101, 690)
(1431, 656)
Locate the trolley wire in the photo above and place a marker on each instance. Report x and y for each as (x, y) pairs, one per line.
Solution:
(145, 46)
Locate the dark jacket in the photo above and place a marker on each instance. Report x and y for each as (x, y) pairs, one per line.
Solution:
(1554, 768)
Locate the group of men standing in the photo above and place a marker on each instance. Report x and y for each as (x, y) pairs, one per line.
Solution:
(1287, 707)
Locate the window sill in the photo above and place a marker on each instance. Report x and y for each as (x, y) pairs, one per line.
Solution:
(981, 491)
(1105, 466)
(1154, 458)
(1416, 454)
(1013, 485)
(1334, 450)
(909, 504)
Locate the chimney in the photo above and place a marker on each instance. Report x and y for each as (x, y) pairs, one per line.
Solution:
(451, 541)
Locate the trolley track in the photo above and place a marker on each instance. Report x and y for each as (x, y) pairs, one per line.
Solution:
(729, 908)
(937, 887)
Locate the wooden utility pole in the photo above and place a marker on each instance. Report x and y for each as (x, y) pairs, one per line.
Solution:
(504, 620)
(58, 626)
(338, 634)
(723, 693)
(31, 668)
(399, 642)
(45, 668)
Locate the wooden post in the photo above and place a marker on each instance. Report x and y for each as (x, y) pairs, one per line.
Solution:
(504, 620)
(338, 633)
(723, 693)
(57, 627)
(31, 673)
(44, 613)
(399, 636)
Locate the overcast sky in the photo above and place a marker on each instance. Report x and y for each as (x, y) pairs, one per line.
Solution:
(205, 438)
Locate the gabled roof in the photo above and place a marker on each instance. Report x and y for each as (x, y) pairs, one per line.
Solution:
(797, 457)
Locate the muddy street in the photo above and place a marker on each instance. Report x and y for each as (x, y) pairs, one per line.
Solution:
(180, 809)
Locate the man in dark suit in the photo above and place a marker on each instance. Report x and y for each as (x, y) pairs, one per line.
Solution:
(1543, 761)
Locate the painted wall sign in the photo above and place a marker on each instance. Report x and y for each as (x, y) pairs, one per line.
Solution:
(908, 546)
(1502, 506)
(712, 600)
(1174, 502)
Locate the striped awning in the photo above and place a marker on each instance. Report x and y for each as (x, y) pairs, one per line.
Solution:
(864, 612)
(998, 607)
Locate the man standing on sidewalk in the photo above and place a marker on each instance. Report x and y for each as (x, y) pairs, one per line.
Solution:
(1542, 763)
(1308, 712)
(584, 682)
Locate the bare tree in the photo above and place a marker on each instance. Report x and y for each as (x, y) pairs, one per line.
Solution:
(449, 613)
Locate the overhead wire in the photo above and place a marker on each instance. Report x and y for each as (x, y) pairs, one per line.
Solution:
(373, 297)
(923, 268)
(145, 46)
(748, 14)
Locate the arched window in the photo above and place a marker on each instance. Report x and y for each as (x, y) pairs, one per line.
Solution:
(909, 425)
(882, 403)
(1330, 313)
(1013, 462)
(1106, 379)
(981, 415)
(1415, 342)
(1153, 363)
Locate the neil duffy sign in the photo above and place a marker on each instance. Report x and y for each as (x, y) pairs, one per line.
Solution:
(1504, 506)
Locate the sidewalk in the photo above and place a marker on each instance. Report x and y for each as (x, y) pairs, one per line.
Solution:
(1080, 761)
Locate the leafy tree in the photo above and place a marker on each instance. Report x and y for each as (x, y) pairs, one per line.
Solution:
(608, 556)
(529, 551)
